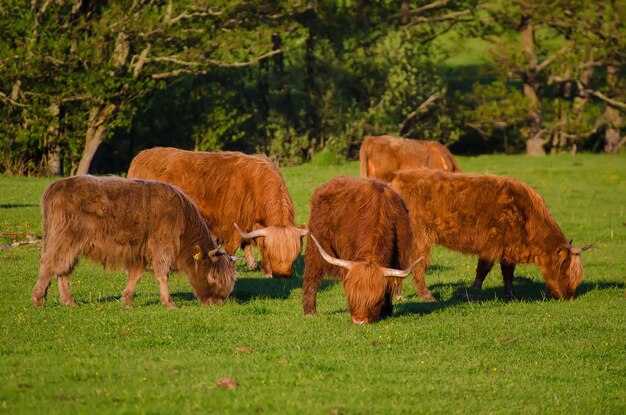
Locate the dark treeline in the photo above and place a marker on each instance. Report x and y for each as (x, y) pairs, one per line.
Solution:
(85, 85)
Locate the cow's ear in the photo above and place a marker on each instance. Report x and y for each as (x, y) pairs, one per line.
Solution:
(197, 252)
(214, 254)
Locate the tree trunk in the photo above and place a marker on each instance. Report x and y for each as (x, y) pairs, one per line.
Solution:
(361, 16)
(612, 135)
(531, 85)
(281, 81)
(263, 88)
(96, 129)
(404, 12)
(55, 166)
(313, 124)
(534, 147)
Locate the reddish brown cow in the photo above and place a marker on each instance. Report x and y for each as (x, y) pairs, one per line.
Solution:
(382, 155)
(233, 188)
(494, 217)
(366, 225)
(129, 224)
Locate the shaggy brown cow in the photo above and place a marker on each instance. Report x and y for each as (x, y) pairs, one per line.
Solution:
(492, 217)
(129, 224)
(233, 188)
(382, 155)
(365, 223)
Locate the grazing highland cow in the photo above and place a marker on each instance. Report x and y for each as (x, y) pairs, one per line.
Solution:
(365, 224)
(382, 155)
(233, 191)
(129, 224)
(494, 217)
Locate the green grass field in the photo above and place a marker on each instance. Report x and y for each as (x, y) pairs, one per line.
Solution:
(535, 355)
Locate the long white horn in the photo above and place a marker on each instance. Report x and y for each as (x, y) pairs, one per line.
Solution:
(578, 251)
(253, 234)
(390, 272)
(332, 260)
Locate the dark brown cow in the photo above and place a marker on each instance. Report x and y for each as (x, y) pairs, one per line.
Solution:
(494, 217)
(233, 188)
(365, 224)
(382, 155)
(129, 224)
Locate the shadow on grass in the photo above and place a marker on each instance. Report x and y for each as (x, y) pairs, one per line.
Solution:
(525, 289)
(16, 205)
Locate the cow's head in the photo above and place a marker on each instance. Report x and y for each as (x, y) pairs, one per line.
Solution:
(564, 271)
(366, 285)
(279, 246)
(216, 267)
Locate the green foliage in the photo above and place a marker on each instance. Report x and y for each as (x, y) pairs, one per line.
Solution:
(288, 78)
(535, 355)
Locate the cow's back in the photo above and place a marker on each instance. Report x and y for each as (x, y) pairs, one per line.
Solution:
(475, 214)
(381, 156)
(227, 187)
(363, 220)
(110, 219)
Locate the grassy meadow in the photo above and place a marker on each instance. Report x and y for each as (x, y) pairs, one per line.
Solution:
(534, 355)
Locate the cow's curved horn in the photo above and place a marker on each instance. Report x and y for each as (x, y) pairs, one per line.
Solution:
(400, 273)
(254, 234)
(332, 260)
(302, 231)
(578, 251)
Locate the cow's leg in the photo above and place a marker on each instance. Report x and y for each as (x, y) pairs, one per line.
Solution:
(266, 267)
(387, 308)
(41, 286)
(48, 268)
(507, 277)
(419, 278)
(134, 275)
(164, 292)
(397, 290)
(63, 281)
(250, 261)
(482, 269)
(313, 276)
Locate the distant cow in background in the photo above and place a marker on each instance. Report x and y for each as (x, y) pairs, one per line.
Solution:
(233, 191)
(129, 224)
(382, 155)
(494, 217)
(365, 225)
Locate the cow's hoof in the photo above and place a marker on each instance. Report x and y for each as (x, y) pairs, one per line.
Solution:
(427, 298)
(37, 302)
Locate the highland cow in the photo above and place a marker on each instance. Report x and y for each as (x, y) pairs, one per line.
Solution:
(382, 155)
(366, 226)
(494, 217)
(129, 224)
(233, 191)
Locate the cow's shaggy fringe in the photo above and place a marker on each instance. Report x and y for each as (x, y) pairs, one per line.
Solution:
(128, 224)
(231, 187)
(365, 222)
(380, 156)
(496, 218)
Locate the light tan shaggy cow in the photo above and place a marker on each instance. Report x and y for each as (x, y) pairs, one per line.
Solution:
(129, 224)
(496, 218)
(240, 197)
(382, 155)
